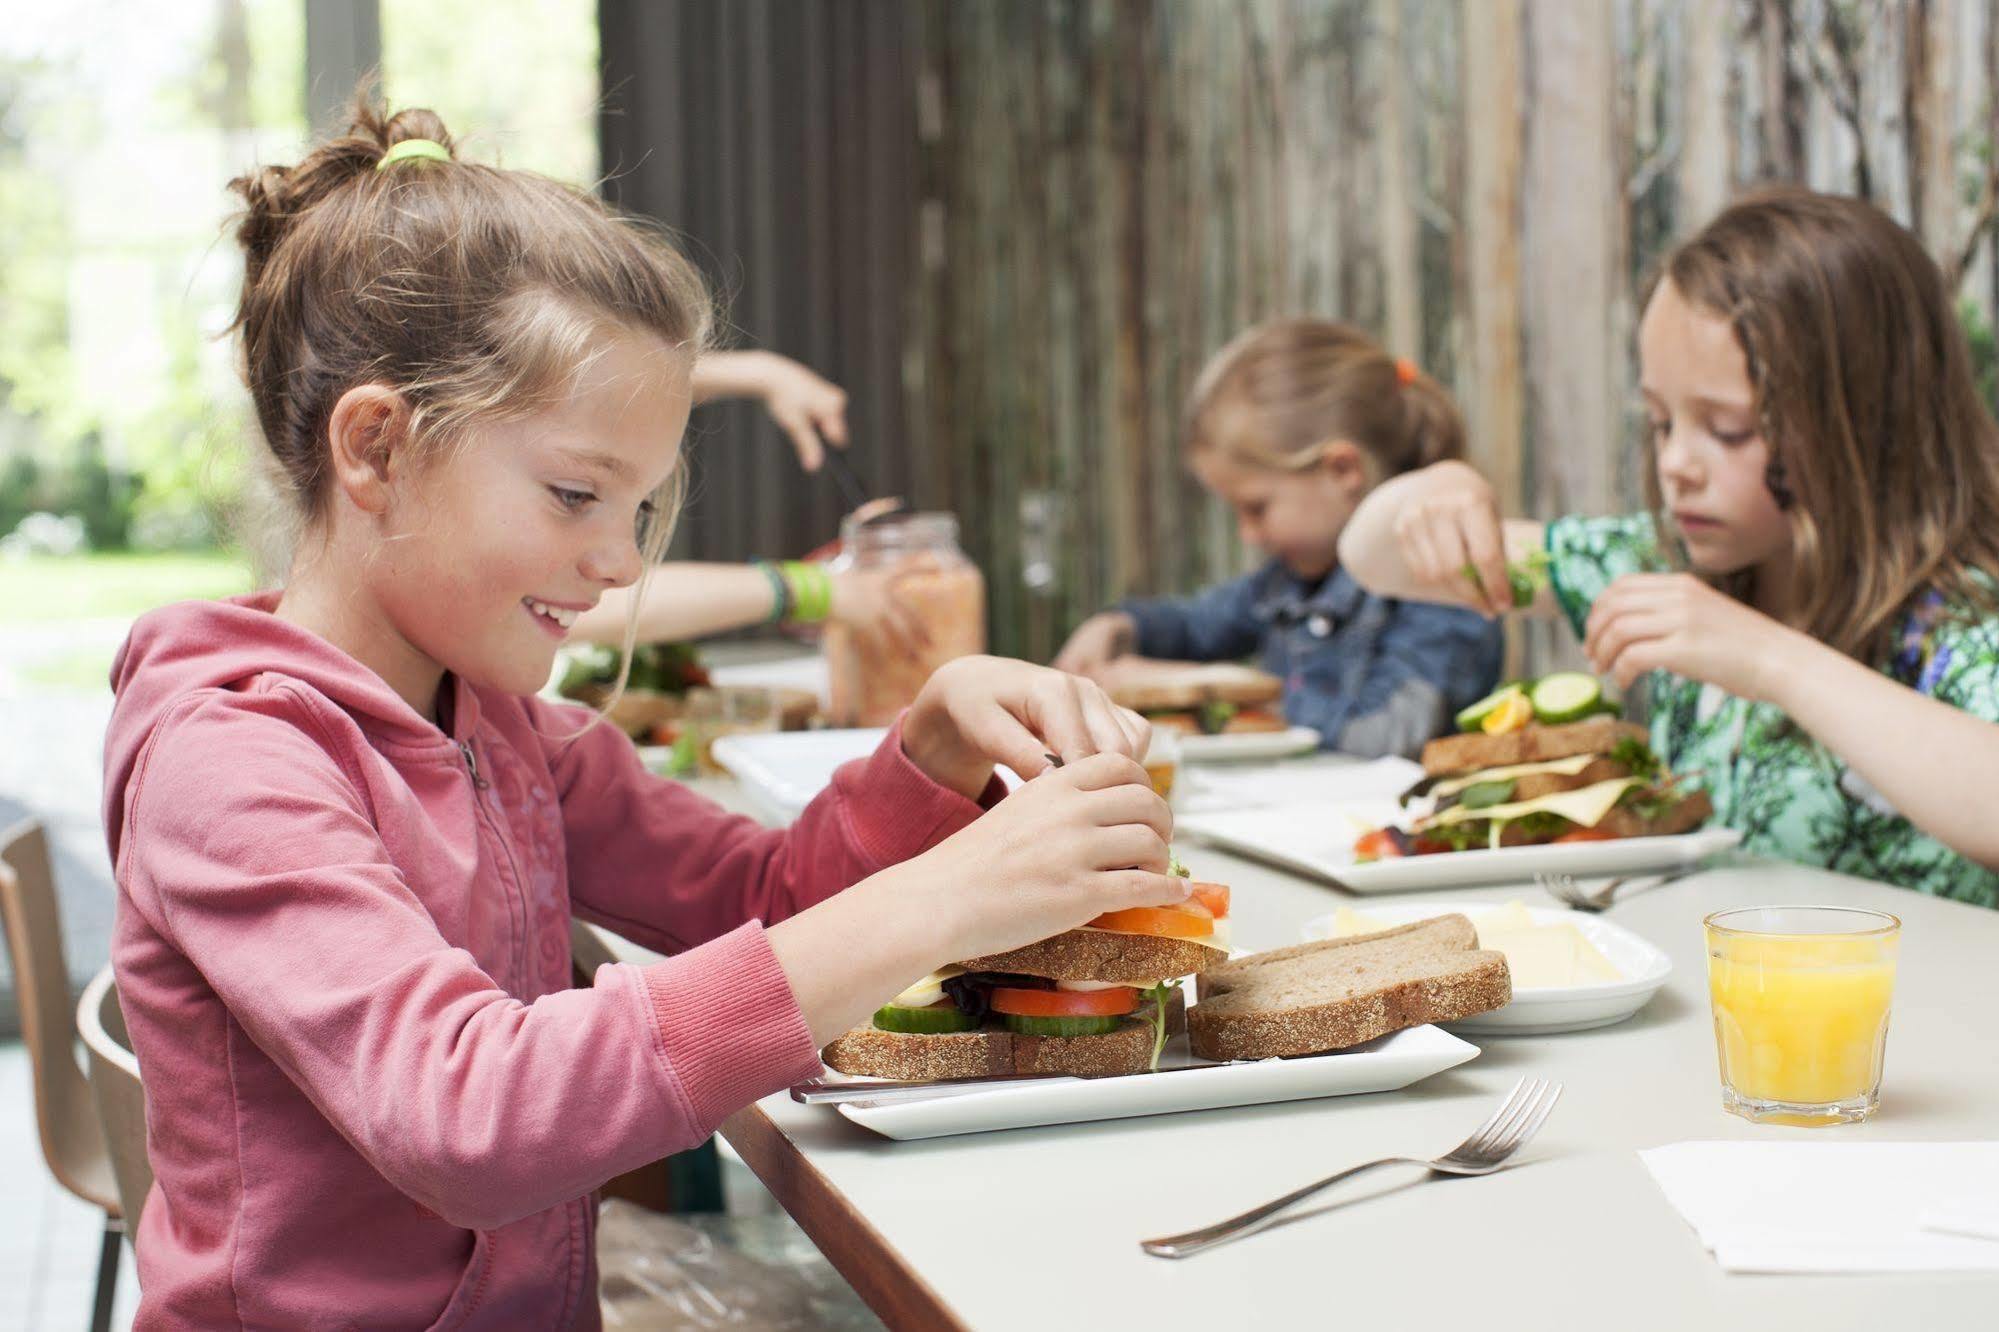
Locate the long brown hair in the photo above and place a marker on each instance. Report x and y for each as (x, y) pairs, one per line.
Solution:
(1281, 391)
(1881, 449)
(477, 293)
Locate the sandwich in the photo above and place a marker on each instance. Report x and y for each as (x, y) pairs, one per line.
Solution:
(1197, 698)
(1533, 764)
(1095, 1001)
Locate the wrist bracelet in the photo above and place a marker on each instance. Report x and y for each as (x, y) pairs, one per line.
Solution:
(811, 591)
(780, 589)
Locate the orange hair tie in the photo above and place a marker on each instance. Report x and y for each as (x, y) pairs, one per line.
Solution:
(1405, 371)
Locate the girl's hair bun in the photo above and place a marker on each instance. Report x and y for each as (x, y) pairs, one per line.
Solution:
(275, 197)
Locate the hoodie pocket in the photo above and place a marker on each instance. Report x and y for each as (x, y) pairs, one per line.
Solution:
(471, 1284)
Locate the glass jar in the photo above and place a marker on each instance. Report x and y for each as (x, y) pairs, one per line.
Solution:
(869, 680)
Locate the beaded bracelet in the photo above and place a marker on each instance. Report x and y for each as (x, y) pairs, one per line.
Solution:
(781, 599)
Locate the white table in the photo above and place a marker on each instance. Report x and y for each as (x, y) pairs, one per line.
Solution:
(1040, 1227)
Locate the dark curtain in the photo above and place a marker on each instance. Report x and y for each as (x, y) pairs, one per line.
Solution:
(778, 137)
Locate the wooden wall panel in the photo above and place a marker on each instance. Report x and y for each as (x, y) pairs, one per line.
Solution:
(1015, 230)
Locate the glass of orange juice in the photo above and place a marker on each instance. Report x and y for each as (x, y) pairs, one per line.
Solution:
(1801, 998)
(1162, 761)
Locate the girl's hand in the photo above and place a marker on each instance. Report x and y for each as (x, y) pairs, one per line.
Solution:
(1675, 622)
(810, 409)
(1096, 643)
(1452, 539)
(867, 602)
(1075, 842)
(978, 711)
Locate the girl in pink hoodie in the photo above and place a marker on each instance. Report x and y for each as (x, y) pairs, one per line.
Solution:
(349, 838)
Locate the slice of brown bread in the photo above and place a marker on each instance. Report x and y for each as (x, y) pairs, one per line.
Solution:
(1339, 993)
(1101, 955)
(1537, 784)
(1531, 744)
(873, 1053)
(1163, 686)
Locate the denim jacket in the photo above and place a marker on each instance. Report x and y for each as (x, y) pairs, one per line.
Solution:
(1371, 676)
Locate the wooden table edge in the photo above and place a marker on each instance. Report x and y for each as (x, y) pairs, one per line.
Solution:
(891, 1287)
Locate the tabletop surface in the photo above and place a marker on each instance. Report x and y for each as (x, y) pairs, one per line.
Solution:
(1043, 1224)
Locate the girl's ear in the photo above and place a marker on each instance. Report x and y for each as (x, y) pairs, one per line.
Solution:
(1347, 466)
(366, 434)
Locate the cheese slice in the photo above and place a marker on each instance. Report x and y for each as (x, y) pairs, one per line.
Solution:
(1538, 956)
(1585, 806)
(927, 991)
(1562, 767)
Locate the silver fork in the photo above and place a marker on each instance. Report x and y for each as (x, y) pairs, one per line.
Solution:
(1564, 888)
(1518, 1118)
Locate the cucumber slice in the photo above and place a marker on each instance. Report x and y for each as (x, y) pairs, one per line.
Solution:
(1060, 1026)
(933, 1021)
(1484, 795)
(1565, 697)
(1471, 717)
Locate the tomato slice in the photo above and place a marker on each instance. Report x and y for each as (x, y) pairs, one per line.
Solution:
(1066, 1003)
(1213, 896)
(1381, 844)
(1587, 835)
(1189, 920)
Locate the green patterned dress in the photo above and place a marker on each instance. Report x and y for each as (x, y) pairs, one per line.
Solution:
(1789, 796)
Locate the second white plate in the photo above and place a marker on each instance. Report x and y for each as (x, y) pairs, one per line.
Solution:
(1247, 745)
(1317, 840)
(1555, 1008)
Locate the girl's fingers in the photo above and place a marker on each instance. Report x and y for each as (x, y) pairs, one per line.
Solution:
(804, 439)
(1621, 632)
(1002, 737)
(1447, 542)
(1110, 737)
(1419, 552)
(832, 424)
(1137, 729)
(1485, 549)
(1056, 711)
(1101, 772)
(1639, 659)
(1130, 846)
(1136, 887)
(1134, 803)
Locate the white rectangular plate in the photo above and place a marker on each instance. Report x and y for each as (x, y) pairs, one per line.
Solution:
(1544, 1010)
(1248, 745)
(1317, 840)
(783, 770)
(1389, 1064)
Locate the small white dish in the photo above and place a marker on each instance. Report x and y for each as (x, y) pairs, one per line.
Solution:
(1389, 1064)
(1317, 840)
(1643, 969)
(1248, 745)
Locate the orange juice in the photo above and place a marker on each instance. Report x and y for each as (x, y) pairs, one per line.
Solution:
(1801, 998)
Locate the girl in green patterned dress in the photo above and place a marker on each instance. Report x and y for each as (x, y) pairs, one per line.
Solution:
(1813, 589)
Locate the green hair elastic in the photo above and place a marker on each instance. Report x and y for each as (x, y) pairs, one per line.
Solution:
(409, 148)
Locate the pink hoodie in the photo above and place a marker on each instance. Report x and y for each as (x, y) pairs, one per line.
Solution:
(342, 947)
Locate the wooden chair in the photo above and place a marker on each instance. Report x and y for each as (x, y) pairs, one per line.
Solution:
(72, 1140)
(120, 1096)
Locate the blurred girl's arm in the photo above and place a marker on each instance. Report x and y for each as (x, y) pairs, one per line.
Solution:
(808, 408)
(680, 601)
(1928, 757)
(1931, 761)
